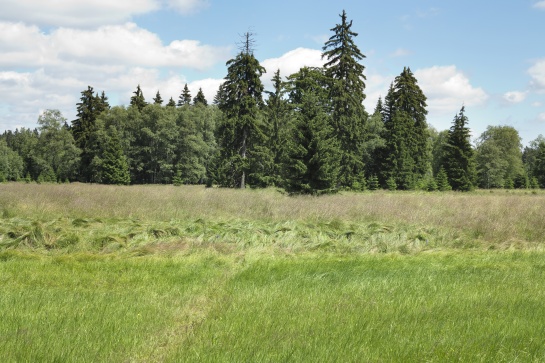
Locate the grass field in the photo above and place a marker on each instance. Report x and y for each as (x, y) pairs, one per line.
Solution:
(157, 273)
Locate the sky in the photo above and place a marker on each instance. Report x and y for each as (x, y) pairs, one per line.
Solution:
(488, 56)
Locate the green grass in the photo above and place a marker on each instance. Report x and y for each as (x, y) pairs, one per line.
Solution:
(93, 273)
(208, 307)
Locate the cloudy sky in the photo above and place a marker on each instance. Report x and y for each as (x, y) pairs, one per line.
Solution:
(488, 56)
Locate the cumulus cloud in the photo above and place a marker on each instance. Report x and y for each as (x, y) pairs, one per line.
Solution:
(86, 14)
(126, 45)
(515, 96)
(447, 89)
(537, 72)
(290, 63)
(400, 52)
(75, 13)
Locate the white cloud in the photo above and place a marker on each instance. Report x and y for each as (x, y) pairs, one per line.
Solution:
(113, 45)
(400, 52)
(540, 5)
(188, 6)
(537, 72)
(87, 14)
(515, 96)
(290, 63)
(75, 13)
(447, 89)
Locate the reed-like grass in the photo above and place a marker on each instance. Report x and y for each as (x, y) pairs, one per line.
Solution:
(382, 221)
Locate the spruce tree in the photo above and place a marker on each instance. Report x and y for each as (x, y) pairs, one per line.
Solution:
(171, 103)
(441, 180)
(346, 91)
(158, 100)
(138, 99)
(405, 156)
(185, 97)
(241, 101)
(274, 134)
(115, 168)
(200, 99)
(313, 155)
(459, 159)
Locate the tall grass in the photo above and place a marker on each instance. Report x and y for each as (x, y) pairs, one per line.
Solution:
(493, 220)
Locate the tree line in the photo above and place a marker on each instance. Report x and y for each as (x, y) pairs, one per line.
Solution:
(309, 134)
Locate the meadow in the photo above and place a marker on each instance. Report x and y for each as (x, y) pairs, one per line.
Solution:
(164, 273)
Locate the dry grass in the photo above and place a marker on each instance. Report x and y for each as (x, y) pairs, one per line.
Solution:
(500, 217)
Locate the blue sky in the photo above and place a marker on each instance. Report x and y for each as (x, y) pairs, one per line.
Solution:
(488, 56)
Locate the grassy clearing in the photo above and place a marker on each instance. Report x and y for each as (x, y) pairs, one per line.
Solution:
(163, 273)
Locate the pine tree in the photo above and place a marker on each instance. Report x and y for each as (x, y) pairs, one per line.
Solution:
(459, 159)
(171, 103)
(442, 180)
(313, 156)
(115, 168)
(274, 131)
(241, 101)
(83, 127)
(158, 100)
(406, 155)
(138, 99)
(346, 91)
(185, 97)
(200, 99)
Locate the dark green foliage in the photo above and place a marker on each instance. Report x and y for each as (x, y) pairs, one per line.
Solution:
(274, 133)
(158, 100)
(171, 103)
(240, 100)
(374, 141)
(313, 156)
(405, 156)
(442, 180)
(185, 97)
(373, 183)
(115, 168)
(539, 166)
(459, 159)
(521, 181)
(138, 99)
(346, 92)
(391, 184)
(200, 99)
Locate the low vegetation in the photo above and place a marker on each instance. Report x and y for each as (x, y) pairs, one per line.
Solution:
(164, 273)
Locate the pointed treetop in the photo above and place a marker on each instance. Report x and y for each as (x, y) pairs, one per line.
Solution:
(185, 97)
(158, 100)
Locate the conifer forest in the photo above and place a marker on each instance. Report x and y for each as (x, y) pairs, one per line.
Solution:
(309, 134)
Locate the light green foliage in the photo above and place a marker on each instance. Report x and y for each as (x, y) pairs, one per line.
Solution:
(11, 164)
(498, 156)
(441, 180)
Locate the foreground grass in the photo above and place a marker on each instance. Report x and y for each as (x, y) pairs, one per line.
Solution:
(211, 307)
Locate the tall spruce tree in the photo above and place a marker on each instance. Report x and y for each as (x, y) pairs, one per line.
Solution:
(459, 160)
(185, 97)
(138, 99)
(88, 109)
(346, 91)
(200, 99)
(240, 100)
(312, 153)
(158, 100)
(114, 165)
(171, 102)
(405, 156)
